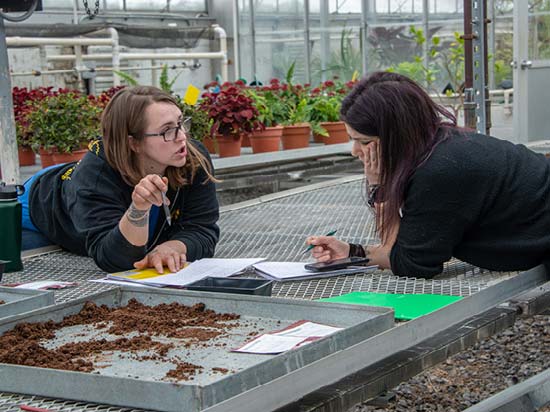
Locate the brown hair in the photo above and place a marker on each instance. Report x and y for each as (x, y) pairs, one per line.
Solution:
(124, 116)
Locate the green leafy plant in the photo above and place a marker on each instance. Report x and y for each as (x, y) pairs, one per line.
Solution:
(66, 121)
(128, 78)
(272, 109)
(165, 83)
(344, 62)
(200, 122)
(416, 69)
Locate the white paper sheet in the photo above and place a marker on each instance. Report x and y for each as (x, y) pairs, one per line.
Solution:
(202, 268)
(296, 270)
(298, 334)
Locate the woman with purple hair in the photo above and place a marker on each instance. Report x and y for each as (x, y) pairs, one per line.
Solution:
(440, 191)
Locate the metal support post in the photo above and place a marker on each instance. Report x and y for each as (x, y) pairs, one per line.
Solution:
(236, 40)
(9, 161)
(487, 95)
(478, 63)
(364, 35)
(325, 38)
(426, 28)
(491, 41)
(252, 39)
(469, 104)
(307, 42)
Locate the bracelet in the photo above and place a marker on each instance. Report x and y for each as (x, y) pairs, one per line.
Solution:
(371, 194)
(356, 250)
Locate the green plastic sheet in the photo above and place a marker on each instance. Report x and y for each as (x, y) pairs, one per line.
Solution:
(406, 306)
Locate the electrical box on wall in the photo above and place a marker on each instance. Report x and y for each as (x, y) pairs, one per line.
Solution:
(8, 6)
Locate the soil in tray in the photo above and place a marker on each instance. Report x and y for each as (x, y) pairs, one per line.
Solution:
(134, 326)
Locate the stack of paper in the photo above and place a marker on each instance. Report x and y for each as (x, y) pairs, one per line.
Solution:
(197, 270)
(282, 271)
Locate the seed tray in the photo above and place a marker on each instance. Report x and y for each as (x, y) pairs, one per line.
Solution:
(127, 380)
(18, 301)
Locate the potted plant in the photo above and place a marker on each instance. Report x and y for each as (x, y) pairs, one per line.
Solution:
(22, 99)
(66, 122)
(233, 115)
(325, 103)
(271, 113)
(200, 122)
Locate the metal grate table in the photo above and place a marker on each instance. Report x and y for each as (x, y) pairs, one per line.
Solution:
(274, 227)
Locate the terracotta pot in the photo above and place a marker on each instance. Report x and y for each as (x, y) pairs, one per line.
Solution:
(267, 140)
(317, 138)
(337, 133)
(245, 141)
(26, 156)
(210, 144)
(296, 136)
(74, 156)
(46, 157)
(228, 146)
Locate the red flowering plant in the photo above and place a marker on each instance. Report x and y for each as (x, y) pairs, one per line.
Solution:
(105, 97)
(272, 109)
(325, 101)
(22, 106)
(232, 111)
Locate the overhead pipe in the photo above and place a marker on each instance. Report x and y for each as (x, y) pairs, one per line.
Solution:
(116, 56)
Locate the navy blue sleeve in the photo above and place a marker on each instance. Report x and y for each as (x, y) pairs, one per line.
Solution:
(197, 215)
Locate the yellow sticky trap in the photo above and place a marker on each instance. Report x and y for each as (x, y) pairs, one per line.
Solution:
(191, 95)
(355, 75)
(141, 274)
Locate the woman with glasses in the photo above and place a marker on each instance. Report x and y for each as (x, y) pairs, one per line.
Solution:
(143, 196)
(440, 191)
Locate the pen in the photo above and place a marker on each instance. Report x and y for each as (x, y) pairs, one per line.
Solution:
(332, 232)
(166, 209)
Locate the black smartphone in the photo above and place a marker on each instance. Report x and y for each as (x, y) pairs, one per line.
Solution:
(337, 264)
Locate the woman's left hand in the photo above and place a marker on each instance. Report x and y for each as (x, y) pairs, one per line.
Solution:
(171, 254)
(372, 162)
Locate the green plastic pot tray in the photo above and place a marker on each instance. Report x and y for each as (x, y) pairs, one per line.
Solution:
(406, 306)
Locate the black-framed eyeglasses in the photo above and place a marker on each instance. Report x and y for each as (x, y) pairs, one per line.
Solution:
(171, 134)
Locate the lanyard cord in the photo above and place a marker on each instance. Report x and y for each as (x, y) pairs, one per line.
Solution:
(154, 243)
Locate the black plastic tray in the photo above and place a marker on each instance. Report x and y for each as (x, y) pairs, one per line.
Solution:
(245, 286)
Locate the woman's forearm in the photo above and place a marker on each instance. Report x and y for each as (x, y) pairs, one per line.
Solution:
(380, 254)
(134, 225)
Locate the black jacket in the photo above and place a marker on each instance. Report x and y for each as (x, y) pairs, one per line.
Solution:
(79, 205)
(480, 199)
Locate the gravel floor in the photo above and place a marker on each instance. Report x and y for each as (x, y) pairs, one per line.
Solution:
(467, 378)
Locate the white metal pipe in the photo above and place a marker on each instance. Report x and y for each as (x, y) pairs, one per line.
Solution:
(142, 56)
(236, 39)
(222, 35)
(115, 56)
(47, 41)
(37, 73)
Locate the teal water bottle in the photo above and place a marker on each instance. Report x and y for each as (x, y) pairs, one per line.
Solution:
(10, 226)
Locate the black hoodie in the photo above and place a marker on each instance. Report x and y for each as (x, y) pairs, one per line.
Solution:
(79, 206)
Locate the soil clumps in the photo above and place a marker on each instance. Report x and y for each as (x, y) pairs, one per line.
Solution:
(195, 325)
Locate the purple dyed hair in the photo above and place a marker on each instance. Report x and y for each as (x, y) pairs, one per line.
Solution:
(409, 124)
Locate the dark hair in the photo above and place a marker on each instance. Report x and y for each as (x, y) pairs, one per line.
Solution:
(409, 124)
(124, 116)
